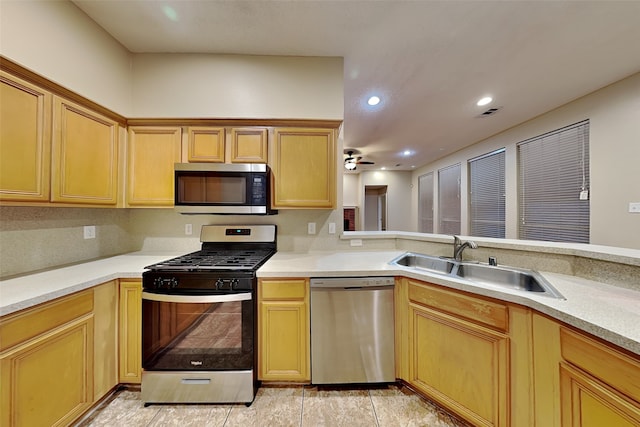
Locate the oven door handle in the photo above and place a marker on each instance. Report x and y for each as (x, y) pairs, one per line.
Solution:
(245, 296)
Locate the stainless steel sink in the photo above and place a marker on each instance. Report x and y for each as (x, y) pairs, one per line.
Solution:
(506, 277)
(425, 262)
(480, 274)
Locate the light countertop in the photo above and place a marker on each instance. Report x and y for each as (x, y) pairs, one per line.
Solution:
(609, 312)
(29, 290)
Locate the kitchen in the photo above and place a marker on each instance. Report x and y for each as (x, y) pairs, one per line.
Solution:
(48, 229)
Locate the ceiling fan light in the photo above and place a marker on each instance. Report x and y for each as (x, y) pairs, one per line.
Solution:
(350, 165)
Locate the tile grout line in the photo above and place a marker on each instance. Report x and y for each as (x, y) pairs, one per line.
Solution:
(302, 406)
(373, 406)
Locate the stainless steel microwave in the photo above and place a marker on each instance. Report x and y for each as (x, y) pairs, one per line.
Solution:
(216, 188)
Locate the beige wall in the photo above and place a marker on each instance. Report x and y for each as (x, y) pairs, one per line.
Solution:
(614, 114)
(197, 85)
(57, 40)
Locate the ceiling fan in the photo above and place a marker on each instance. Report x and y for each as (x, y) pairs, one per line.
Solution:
(351, 162)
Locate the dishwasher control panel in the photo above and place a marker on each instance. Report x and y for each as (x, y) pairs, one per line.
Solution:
(351, 282)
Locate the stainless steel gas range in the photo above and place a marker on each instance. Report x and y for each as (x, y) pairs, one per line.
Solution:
(199, 318)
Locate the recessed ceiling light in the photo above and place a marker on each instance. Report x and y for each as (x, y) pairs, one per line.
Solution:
(374, 100)
(406, 153)
(383, 168)
(484, 101)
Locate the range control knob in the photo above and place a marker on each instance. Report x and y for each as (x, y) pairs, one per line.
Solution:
(234, 283)
(161, 282)
(223, 285)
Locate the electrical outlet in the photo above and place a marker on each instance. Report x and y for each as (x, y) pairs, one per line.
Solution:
(634, 207)
(188, 229)
(311, 228)
(332, 228)
(89, 231)
(356, 242)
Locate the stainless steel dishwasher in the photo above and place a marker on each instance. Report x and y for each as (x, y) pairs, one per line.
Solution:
(352, 332)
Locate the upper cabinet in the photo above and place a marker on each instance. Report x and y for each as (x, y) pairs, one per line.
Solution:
(55, 149)
(209, 144)
(304, 168)
(152, 152)
(249, 145)
(85, 155)
(205, 144)
(25, 141)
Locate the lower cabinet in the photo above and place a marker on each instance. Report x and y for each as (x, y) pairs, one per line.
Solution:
(581, 381)
(47, 362)
(459, 353)
(283, 330)
(130, 331)
(105, 347)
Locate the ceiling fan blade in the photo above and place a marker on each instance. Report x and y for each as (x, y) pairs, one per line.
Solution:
(365, 163)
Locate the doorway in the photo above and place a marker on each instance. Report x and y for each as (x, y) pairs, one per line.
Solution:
(375, 208)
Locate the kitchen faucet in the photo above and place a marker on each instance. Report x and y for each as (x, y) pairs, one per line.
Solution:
(459, 246)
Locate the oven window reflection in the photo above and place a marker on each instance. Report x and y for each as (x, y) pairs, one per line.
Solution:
(197, 336)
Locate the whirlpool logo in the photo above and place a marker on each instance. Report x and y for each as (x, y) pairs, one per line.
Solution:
(196, 363)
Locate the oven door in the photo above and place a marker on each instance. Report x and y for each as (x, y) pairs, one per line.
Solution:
(197, 332)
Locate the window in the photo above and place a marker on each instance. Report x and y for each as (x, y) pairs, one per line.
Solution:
(449, 199)
(554, 185)
(425, 202)
(487, 195)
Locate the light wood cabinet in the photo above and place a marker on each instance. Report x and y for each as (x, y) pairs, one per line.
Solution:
(47, 362)
(84, 155)
(105, 349)
(205, 144)
(249, 145)
(304, 168)
(581, 381)
(209, 144)
(152, 152)
(25, 141)
(459, 353)
(130, 331)
(283, 330)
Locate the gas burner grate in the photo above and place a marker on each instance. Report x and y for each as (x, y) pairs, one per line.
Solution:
(215, 260)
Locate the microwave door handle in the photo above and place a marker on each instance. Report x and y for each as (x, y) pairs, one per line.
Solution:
(245, 296)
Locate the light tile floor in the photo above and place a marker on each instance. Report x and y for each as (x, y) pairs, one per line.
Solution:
(307, 406)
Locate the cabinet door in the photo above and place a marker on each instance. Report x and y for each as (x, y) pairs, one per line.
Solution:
(206, 144)
(586, 402)
(284, 335)
(105, 303)
(151, 155)
(283, 324)
(25, 141)
(460, 365)
(304, 168)
(130, 331)
(49, 380)
(249, 145)
(85, 156)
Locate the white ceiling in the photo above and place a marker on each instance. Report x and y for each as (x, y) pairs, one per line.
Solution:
(429, 61)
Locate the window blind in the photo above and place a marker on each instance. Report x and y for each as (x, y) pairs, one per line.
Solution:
(554, 185)
(487, 195)
(425, 202)
(449, 199)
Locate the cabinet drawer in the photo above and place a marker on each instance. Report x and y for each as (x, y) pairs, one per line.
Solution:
(608, 365)
(477, 310)
(283, 289)
(17, 328)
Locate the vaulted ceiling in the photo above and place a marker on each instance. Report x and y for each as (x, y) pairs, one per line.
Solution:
(428, 61)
